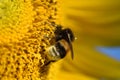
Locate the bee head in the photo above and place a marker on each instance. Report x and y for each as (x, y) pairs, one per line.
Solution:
(66, 34)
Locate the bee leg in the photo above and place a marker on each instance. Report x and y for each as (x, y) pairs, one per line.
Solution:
(47, 63)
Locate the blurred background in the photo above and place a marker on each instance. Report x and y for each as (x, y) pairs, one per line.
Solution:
(96, 25)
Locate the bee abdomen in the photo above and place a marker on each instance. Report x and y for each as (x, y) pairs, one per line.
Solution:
(61, 50)
(57, 51)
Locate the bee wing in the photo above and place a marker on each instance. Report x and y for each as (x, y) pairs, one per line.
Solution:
(71, 48)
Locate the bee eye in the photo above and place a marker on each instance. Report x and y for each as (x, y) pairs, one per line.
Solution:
(66, 34)
(70, 33)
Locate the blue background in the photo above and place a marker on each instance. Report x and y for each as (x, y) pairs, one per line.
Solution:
(113, 52)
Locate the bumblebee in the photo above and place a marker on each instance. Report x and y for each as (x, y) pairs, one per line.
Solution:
(63, 44)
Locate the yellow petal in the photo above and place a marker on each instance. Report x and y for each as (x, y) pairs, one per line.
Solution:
(95, 23)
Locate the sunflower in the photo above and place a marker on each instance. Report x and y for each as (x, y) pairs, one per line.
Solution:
(27, 28)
